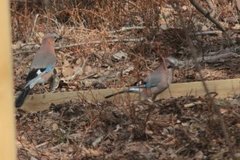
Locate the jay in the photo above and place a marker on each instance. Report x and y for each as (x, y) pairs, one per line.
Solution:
(42, 69)
(155, 83)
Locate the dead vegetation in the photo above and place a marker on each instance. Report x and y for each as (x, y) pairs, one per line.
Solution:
(180, 128)
(112, 44)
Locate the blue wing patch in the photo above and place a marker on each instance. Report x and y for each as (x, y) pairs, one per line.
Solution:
(36, 76)
(35, 72)
(147, 85)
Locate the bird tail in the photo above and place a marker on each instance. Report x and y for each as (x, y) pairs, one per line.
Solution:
(21, 98)
(131, 89)
(114, 94)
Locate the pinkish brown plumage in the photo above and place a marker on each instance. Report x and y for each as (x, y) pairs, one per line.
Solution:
(155, 83)
(42, 67)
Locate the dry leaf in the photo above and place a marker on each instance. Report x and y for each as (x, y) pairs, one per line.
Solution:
(120, 55)
(54, 126)
(88, 70)
(67, 71)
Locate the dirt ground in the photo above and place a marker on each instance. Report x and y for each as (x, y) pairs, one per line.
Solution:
(167, 129)
(181, 128)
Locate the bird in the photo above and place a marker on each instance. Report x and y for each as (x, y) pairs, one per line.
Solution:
(42, 69)
(155, 83)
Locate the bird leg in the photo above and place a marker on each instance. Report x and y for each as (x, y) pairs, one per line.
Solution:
(54, 82)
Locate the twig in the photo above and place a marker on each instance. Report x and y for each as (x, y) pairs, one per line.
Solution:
(211, 100)
(86, 43)
(88, 76)
(202, 33)
(134, 5)
(107, 41)
(212, 6)
(42, 144)
(192, 104)
(207, 15)
(213, 20)
(34, 24)
(238, 4)
(123, 29)
(128, 29)
(212, 58)
(236, 114)
(55, 21)
(220, 56)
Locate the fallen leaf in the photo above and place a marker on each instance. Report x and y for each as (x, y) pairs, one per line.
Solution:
(120, 55)
(67, 71)
(54, 126)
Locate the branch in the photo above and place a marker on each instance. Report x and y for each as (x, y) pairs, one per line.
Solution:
(126, 40)
(214, 57)
(128, 29)
(207, 33)
(211, 98)
(207, 15)
(212, 7)
(107, 41)
(238, 4)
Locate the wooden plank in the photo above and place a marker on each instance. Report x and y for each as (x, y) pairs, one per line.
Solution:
(224, 88)
(7, 117)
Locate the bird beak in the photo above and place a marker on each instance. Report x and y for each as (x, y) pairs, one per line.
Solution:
(175, 63)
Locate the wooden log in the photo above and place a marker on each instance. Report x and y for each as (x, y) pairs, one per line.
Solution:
(224, 88)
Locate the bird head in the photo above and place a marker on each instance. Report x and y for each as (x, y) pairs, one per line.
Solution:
(172, 62)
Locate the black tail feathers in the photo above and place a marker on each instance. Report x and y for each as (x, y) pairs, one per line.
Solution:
(114, 94)
(120, 92)
(21, 98)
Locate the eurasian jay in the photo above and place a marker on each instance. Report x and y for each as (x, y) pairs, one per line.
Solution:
(155, 83)
(42, 67)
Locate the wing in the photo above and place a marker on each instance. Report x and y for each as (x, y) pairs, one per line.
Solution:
(152, 80)
(35, 75)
